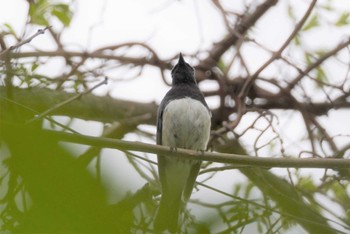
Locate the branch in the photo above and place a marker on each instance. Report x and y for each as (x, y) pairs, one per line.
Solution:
(247, 22)
(318, 63)
(281, 162)
(69, 100)
(21, 43)
(278, 53)
(107, 109)
(282, 192)
(88, 107)
(95, 55)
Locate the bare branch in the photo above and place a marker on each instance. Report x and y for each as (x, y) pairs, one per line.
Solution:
(93, 55)
(21, 43)
(88, 107)
(318, 63)
(263, 162)
(278, 53)
(222, 46)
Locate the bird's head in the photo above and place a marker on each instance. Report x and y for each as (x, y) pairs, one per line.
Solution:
(183, 73)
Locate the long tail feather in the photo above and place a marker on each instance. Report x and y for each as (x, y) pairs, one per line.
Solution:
(167, 217)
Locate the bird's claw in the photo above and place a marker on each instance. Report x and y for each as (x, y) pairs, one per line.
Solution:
(173, 149)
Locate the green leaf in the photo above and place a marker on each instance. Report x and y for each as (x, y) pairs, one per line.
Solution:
(308, 58)
(221, 65)
(10, 29)
(312, 23)
(307, 184)
(328, 6)
(297, 40)
(320, 52)
(291, 12)
(34, 67)
(320, 76)
(42, 11)
(62, 13)
(343, 19)
(340, 193)
(38, 11)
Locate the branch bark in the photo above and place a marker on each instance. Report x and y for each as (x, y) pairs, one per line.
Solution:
(236, 159)
(107, 109)
(88, 107)
(231, 39)
(98, 54)
(5, 52)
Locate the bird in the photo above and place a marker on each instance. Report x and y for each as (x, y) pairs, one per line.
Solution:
(183, 121)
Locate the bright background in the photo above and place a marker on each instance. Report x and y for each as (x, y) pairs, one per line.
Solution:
(189, 26)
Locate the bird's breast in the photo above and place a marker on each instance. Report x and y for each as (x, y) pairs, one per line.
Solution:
(186, 124)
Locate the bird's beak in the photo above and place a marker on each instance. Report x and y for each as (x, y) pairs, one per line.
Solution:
(181, 60)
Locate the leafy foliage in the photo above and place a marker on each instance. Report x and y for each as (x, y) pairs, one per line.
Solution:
(42, 12)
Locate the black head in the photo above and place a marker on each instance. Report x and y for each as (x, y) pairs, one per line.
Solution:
(183, 73)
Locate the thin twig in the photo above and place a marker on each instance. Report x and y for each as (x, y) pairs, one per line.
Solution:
(95, 55)
(21, 43)
(278, 53)
(235, 34)
(318, 62)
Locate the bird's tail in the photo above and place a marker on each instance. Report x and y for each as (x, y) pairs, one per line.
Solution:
(167, 217)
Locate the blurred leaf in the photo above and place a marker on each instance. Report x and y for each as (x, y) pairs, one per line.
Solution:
(41, 12)
(308, 59)
(63, 13)
(65, 198)
(320, 52)
(328, 6)
(340, 192)
(343, 19)
(297, 40)
(290, 12)
(248, 189)
(34, 67)
(320, 76)
(10, 29)
(37, 12)
(236, 189)
(307, 183)
(312, 23)
(221, 65)
(272, 145)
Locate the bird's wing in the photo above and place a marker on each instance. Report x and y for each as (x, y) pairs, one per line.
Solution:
(191, 180)
(160, 124)
(161, 159)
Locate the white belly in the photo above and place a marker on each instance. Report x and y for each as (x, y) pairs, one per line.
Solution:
(186, 124)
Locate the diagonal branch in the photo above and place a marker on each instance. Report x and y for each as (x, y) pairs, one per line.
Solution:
(21, 43)
(318, 63)
(222, 46)
(276, 54)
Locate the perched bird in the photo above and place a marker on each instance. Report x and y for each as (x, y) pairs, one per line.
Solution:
(183, 121)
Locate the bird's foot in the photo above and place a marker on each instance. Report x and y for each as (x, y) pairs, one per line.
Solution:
(173, 149)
